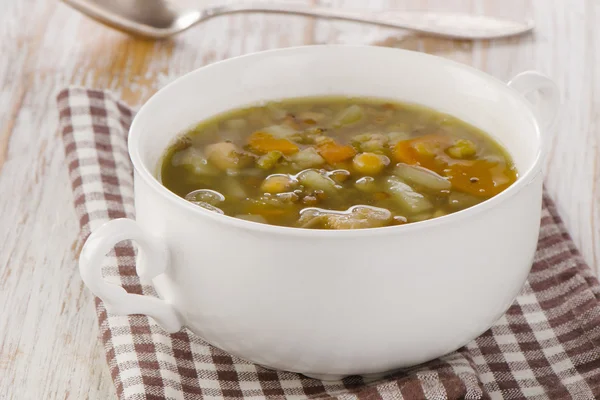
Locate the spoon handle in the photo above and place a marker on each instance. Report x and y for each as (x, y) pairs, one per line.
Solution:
(459, 26)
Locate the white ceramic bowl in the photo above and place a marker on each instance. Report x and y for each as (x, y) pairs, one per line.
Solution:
(331, 303)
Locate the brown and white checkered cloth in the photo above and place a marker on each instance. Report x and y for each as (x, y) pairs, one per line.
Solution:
(547, 346)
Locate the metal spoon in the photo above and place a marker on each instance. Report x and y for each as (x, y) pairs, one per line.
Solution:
(159, 19)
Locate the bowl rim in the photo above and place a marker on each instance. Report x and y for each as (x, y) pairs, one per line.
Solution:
(146, 175)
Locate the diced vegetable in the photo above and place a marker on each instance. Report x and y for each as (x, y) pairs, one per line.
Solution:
(226, 155)
(477, 177)
(407, 197)
(427, 151)
(361, 138)
(308, 136)
(462, 149)
(307, 158)
(360, 217)
(271, 206)
(269, 160)
(322, 140)
(356, 217)
(405, 153)
(369, 163)
(366, 184)
(279, 131)
(311, 218)
(399, 220)
(480, 178)
(349, 116)
(278, 184)
(395, 137)
(317, 181)
(374, 146)
(426, 148)
(262, 143)
(422, 177)
(232, 187)
(371, 142)
(193, 158)
(370, 137)
(335, 153)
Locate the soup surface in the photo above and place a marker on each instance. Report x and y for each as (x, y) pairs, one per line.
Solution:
(336, 163)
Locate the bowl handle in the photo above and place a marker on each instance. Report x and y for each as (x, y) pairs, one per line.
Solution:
(547, 106)
(152, 261)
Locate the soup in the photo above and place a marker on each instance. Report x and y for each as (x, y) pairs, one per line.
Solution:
(336, 163)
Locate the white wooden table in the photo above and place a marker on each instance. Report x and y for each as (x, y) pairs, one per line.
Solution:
(48, 337)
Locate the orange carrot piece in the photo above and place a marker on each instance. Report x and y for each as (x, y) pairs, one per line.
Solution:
(404, 152)
(262, 143)
(428, 151)
(481, 178)
(335, 153)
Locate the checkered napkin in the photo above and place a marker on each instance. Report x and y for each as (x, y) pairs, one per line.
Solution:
(547, 346)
